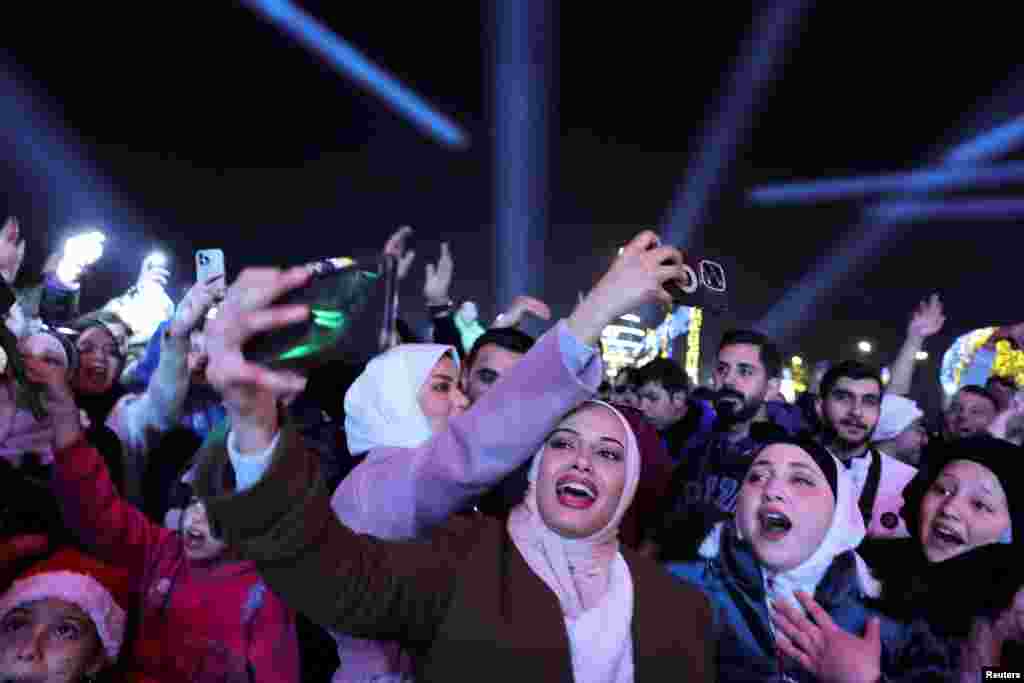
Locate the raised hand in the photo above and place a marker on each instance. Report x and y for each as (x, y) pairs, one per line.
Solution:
(250, 391)
(522, 305)
(395, 246)
(439, 278)
(79, 252)
(154, 271)
(58, 399)
(199, 299)
(823, 648)
(927, 319)
(12, 250)
(637, 277)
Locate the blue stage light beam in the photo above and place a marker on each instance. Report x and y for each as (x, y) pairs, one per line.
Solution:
(923, 181)
(992, 145)
(350, 62)
(524, 65)
(52, 160)
(762, 55)
(867, 239)
(57, 184)
(975, 208)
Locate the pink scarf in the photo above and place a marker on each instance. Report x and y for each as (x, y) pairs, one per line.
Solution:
(582, 572)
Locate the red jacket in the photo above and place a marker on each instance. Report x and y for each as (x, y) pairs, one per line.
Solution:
(213, 622)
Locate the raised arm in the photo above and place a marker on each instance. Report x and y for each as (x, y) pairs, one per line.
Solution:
(436, 288)
(107, 524)
(284, 522)
(60, 293)
(355, 584)
(404, 493)
(522, 306)
(926, 320)
(450, 470)
(140, 419)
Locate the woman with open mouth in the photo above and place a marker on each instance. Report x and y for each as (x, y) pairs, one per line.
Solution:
(548, 595)
(127, 426)
(962, 563)
(792, 540)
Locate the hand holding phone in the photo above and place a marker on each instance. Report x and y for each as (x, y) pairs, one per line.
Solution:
(209, 264)
(80, 252)
(250, 392)
(703, 285)
(155, 271)
(197, 303)
(337, 296)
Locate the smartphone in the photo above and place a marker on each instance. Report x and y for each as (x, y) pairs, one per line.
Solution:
(703, 285)
(209, 264)
(344, 316)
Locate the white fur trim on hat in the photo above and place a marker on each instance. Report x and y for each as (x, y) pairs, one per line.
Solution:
(87, 593)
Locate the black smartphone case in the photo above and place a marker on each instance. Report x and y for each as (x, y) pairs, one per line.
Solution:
(346, 306)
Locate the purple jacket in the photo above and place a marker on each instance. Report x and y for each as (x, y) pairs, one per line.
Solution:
(405, 493)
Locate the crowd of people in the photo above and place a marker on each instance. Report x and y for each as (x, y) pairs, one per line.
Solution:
(481, 503)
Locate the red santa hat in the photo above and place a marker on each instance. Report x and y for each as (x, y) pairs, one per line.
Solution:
(97, 589)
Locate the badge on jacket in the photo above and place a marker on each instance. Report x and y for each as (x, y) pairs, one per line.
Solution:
(890, 520)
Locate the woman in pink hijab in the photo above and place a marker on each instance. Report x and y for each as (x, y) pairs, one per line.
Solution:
(549, 595)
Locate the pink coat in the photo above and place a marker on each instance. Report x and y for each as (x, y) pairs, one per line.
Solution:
(217, 622)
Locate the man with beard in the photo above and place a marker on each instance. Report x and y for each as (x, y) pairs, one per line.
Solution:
(849, 407)
(707, 480)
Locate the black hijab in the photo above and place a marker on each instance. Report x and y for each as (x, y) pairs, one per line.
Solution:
(980, 582)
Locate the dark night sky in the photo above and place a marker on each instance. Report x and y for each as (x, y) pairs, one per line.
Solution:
(209, 129)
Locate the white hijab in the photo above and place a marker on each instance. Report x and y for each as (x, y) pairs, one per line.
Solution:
(845, 532)
(381, 407)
